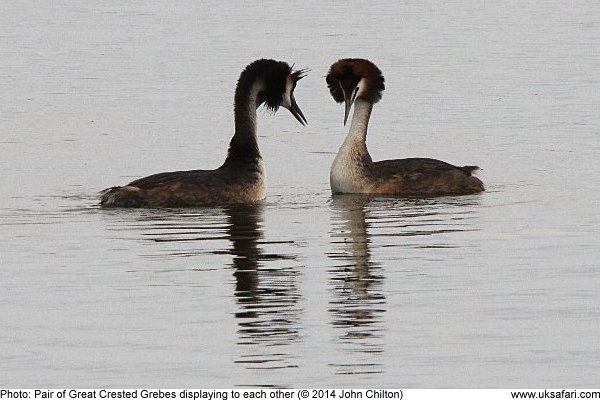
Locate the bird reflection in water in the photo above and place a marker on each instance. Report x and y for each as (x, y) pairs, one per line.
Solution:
(359, 303)
(265, 288)
(266, 293)
(415, 228)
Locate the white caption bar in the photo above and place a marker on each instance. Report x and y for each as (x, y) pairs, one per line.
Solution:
(296, 394)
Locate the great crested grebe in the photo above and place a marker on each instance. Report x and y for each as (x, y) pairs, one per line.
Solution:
(360, 82)
(241, 177)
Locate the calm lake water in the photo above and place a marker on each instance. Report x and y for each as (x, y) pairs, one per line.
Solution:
(494, 290)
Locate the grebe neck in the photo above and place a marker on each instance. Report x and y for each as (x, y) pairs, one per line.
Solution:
(360, 122)
(352, 162)
(244, 146)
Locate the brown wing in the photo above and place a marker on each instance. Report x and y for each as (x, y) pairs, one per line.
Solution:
(203, 177)
(428, 166)
(188, 188)
(424, 176)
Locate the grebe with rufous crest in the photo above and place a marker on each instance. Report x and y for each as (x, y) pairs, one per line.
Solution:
(359, 83)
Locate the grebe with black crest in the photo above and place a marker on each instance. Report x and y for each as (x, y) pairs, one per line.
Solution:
(241, 178)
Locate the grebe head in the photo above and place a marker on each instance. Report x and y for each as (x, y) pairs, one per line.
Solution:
(352, 78)
(279, 82)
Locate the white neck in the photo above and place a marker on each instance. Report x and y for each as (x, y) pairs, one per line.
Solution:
(360, 121)
(348, 166)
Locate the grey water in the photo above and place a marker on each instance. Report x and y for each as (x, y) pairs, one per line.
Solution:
(305, 289)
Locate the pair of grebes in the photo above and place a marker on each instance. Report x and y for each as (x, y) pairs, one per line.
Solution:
(241, 178)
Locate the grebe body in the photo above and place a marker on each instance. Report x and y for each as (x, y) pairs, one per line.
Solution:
(359, 83)
(241, 178)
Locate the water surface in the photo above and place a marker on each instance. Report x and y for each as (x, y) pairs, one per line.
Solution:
(493, 290)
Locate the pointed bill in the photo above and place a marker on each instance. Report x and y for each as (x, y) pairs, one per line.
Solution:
(296, 112)
(348, 104)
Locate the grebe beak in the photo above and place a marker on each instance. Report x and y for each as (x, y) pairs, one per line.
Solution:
(348, 103)
(296, 112)
(347, 110)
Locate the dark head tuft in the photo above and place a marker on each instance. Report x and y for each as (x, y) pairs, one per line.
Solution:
(344, 75)
(299, 74)
(275, 75)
